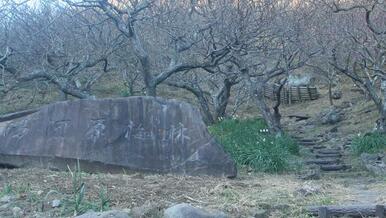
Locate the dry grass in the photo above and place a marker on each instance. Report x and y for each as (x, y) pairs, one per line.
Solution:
(236, 197)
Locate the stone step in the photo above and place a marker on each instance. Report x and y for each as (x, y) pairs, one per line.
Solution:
(307, 144)
(328, 155)
(306, 139)
(310, 142)
(324, 149)
(329, 151)
(318, 147)
(323, 161)
(345, 174)
(335, 167)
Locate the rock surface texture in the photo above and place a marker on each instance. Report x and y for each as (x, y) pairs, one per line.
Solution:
(375, 163)
(186, 210)
(107, 214)
(331, 116)
(136, 133)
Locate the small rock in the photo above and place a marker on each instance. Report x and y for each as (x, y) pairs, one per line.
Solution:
(259, 213)
(148, 209)
(281, 207)
(335, 129)
(265, 206)
(55, 203)
(337, 94)
(375, 163)
(346, 104)
(5, 207)
(364, 187)
(106, 214)
(307, 190)
(331, 116)
(7, 199)
(312, 174)
(17, 212)
(186, 210)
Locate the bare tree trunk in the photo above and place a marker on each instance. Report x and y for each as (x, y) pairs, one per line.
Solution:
(276, 110)
(330, 92)
(205, 110)
(200, 95)
(150, 85)
(222, 98)
(379, 102)
(382, 123)
(273, 123)
(257, 93)
(63, 96)
(151, 90)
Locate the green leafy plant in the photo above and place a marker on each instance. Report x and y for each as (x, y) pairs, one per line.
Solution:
(78, 188)
(76, 203)
(104, 200)
(369, 143)
(250, 144)
(6, 190)
(125, 93)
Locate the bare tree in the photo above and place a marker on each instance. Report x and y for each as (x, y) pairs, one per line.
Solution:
(276, 51)
(212, 88)
(172, 36)
(69, 49)
(361, 55)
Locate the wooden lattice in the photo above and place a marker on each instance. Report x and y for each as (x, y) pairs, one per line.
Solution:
(290, 95)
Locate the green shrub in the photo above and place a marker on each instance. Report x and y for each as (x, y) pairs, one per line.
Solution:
(250, 145)
(369, 143)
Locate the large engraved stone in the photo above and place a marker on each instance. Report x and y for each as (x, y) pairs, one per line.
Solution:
(136, 133)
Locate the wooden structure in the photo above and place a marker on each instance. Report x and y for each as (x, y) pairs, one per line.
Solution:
(352, 211)
(292, 94)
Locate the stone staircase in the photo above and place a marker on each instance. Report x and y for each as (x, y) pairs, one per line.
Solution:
(327, 158)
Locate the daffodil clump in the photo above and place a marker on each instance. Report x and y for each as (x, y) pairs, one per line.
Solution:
(250, 144)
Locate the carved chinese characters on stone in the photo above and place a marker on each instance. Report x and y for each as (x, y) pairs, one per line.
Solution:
(137, 133)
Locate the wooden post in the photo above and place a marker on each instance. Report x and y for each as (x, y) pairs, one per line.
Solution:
(323, 212)
(380, 211)
(299, 95)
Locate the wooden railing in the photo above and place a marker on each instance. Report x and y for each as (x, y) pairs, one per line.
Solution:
(290, 95)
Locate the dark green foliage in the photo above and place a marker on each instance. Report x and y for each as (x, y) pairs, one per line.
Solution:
(250, 145)
(369, 143)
